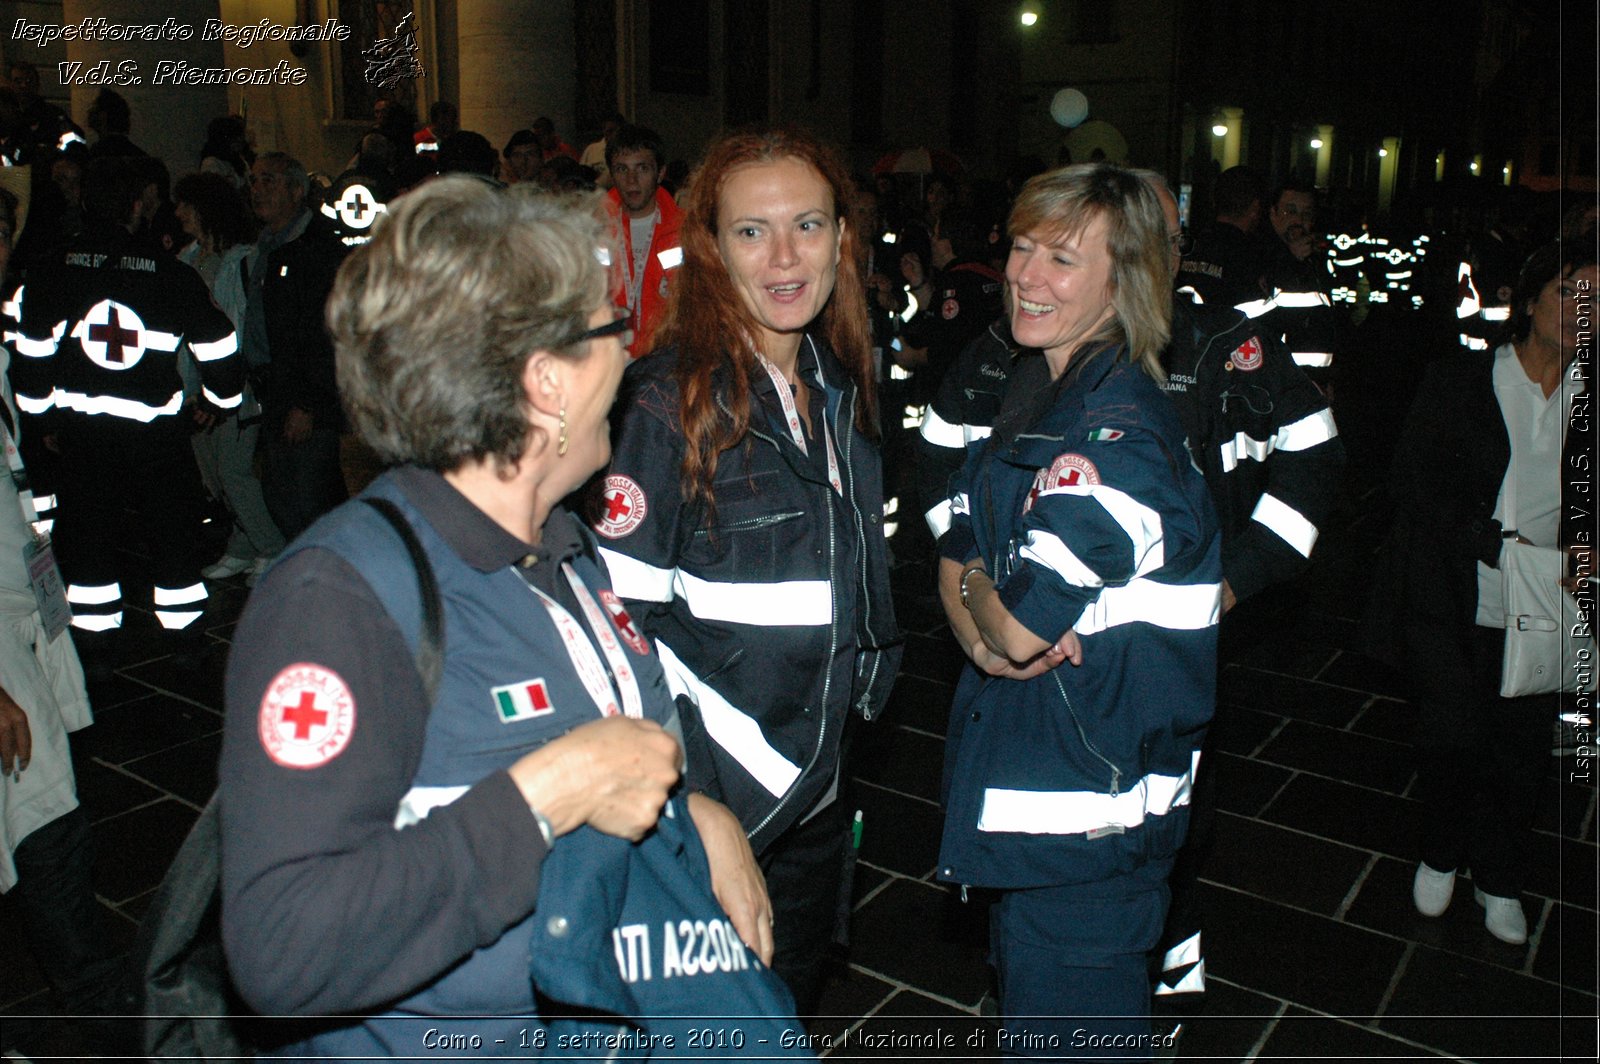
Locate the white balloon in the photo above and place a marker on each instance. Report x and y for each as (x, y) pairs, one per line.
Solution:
(1069, 107)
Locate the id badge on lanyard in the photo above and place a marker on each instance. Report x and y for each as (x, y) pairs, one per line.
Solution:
(48, 590)
(585, 661)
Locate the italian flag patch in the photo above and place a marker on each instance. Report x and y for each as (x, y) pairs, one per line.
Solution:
(522, 701)
(1106, 434)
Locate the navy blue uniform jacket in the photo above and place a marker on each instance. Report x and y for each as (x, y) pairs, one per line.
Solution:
(774, 621)
(1089, 516)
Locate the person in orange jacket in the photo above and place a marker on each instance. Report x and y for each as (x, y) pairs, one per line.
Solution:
(648, 221)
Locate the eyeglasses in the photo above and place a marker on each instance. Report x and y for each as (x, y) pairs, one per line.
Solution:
(619, 327)
(1182, 241)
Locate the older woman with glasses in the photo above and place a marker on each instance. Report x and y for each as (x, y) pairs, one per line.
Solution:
(387, 839)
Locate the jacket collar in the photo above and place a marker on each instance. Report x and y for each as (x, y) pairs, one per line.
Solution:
(1031, 393)
(474, 535)
(293, 231)
(1201, 326)
(822, 371)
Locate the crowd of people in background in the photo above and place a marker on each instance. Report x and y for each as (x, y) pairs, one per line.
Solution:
(206, 295)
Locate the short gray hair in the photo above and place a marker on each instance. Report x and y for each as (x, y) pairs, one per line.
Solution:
(433, 319)
(292, 169)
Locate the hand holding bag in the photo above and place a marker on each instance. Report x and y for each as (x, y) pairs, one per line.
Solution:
(632, 951)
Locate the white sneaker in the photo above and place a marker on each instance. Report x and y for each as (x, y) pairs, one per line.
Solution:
(226, 566)
(1432, 890)
(1503, 917)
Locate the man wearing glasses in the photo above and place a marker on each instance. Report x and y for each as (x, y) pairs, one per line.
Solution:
(1296, 279)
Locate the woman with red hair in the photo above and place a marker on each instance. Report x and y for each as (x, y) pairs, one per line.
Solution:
(742, 516)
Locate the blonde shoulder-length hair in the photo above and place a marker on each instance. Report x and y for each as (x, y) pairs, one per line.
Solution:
(1061, 204)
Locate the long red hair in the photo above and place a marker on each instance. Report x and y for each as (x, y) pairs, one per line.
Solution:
(706, 319)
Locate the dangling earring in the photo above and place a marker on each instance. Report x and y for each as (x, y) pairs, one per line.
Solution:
(561, 439)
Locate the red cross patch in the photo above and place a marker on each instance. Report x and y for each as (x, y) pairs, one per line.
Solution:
(1247, 356)
(949, 309)
(624, 623)
(1068, 471)
(622, 507)
(113, 335)
(307, 716)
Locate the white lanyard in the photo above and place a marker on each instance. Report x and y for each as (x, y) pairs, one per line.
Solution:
(637, 271)
(581, 651)
(791, 417)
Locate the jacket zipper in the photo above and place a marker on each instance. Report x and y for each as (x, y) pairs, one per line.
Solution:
(864, 706)
(752, 523)
(833, 648)
(827, 683)
(1116, 773)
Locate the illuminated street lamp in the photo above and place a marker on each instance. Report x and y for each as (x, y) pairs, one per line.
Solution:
(1030, 14)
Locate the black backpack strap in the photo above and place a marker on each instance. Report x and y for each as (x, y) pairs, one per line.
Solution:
(185, 995)
(189, 1004)
(430, 643)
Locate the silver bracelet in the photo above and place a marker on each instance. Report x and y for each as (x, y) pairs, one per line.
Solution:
(965, 591)
(545, 828)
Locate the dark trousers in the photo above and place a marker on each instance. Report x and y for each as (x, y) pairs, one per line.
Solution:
(1184, 914)
(300, 481)
(1481, 762)
(803, 867)
(122, 483)
(1072, 966)
(60, 919)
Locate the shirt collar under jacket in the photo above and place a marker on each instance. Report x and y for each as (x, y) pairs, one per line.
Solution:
(475, 536)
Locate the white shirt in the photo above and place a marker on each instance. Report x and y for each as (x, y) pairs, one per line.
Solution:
(43, 676)
(641, 232)
(1537, 426)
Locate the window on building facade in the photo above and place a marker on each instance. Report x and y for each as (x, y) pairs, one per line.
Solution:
(380, 59)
